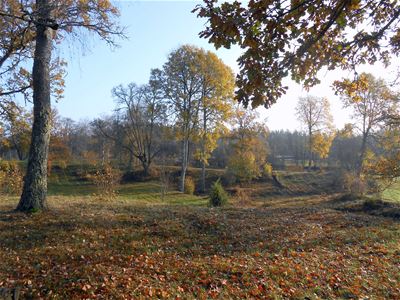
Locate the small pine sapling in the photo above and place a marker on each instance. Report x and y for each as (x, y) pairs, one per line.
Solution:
(218, 196)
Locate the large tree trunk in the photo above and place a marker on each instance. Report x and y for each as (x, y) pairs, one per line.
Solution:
(35, 183)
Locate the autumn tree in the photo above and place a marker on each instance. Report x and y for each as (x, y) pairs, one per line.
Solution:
(298, 38)
(387, 164)
(314, 113)
(59, 148)
(42, 23)
(371, 101)
(16, 48)
(322, 142)
(250, 147)
(16, 129)
(182, 82)
(217, 86)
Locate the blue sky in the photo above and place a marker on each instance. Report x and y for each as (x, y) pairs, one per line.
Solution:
(154, 29)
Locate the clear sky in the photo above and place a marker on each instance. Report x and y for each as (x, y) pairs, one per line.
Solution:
(154, 29)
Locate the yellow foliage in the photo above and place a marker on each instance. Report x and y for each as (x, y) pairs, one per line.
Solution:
(321, 144)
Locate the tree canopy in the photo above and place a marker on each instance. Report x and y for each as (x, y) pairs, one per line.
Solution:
(298, 38)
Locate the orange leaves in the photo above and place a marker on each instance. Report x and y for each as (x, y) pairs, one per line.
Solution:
(128, 251)
(300, 38)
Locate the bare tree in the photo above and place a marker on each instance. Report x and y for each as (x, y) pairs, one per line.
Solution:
(143, 113)
(137, 123)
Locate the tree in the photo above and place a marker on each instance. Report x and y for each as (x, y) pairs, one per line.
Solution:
(343, 145)
(142, 112)
(182, 82)
(44, 22)
(16, 123)
(249, 150)
(372, 102)
(322, 142)
(387, 166)
(16, 47)
(314, 113)
(298, 38)
(285, 145)
(216, 106)
(59, 150)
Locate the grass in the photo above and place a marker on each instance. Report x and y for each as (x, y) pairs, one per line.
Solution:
(145, 192)
(141, 247)
(392, 193)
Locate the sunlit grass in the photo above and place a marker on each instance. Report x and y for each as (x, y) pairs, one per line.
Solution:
(392, 193)
(140, 247)
(139, 192)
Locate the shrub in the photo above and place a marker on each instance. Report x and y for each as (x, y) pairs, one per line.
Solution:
(373, 204)
(267, 170)
(189, 185)
(242, 197)
(218, 196)
(351, 184)
(243, 167)
(106, 180)
(11, 178)
(357, 186)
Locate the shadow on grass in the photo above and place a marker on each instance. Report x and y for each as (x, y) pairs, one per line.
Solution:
(193, 230)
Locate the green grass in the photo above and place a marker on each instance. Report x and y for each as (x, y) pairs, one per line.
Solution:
(392, 193)
(139, 192)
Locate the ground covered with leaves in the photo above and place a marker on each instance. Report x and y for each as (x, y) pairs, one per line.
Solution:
(297, 248)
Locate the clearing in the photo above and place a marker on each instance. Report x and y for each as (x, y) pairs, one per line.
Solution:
(139, 247)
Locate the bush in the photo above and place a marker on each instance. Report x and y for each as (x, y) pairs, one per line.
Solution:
(358, 187)
(218, 196)
(243, 167)
(11, 178)
(189, 185)
(351, 184)
(267, 170)
(242, 197)
(106, 180)
(373, 204)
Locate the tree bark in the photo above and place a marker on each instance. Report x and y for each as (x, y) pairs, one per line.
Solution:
(310, 148)
(35, 183)
(203, 150)
(146, 167)
(361, 158)
(203, 177)
(185, 154)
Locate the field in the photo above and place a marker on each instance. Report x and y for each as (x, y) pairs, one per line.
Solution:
(139, 247)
